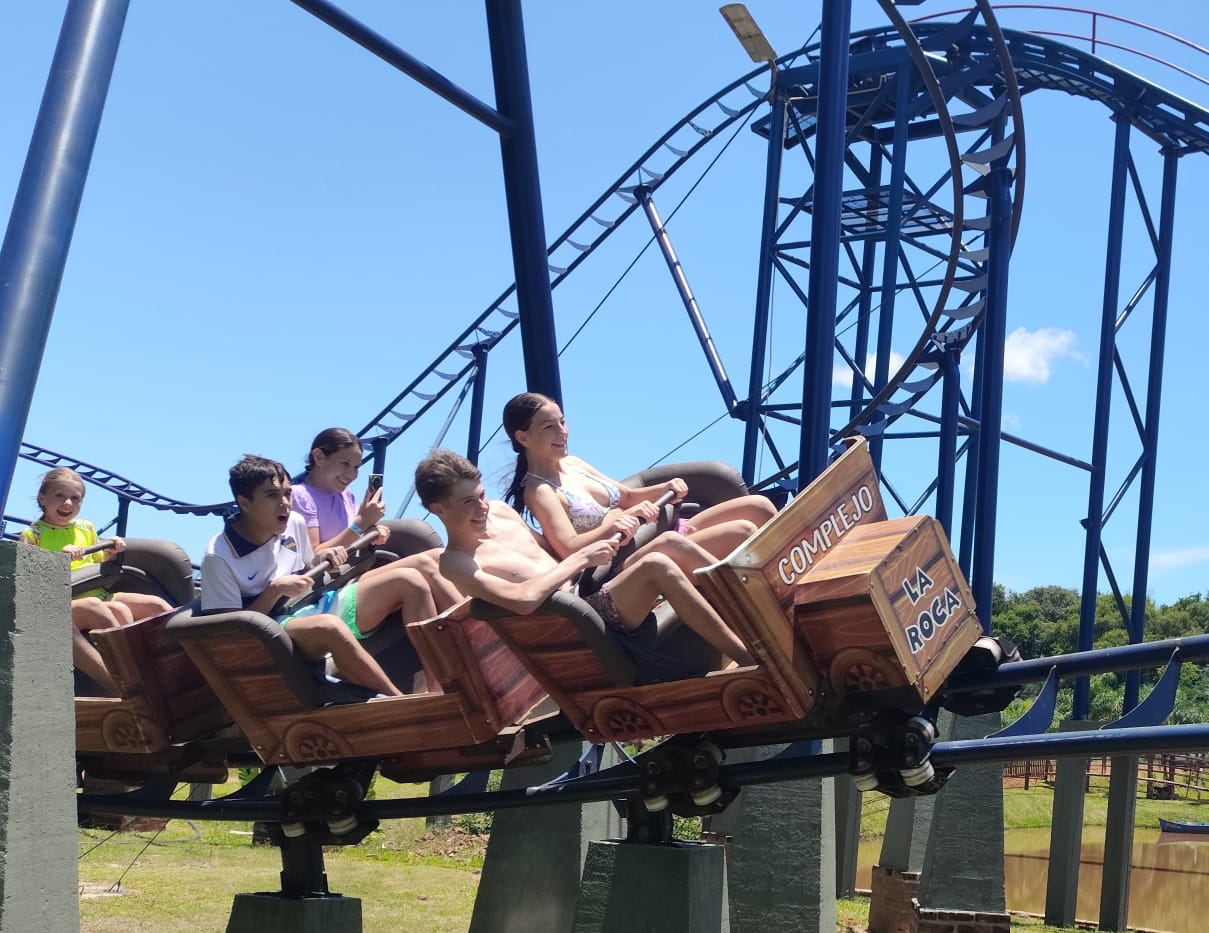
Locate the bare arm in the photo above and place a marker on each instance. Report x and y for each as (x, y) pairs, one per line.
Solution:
(560, 535)
(521, 596)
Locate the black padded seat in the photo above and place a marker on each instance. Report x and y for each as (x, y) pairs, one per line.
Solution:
(709, 483)
(674, 653)
(300, 674)
(148, 565)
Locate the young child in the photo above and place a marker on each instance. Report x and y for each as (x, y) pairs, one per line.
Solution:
(260, 556)
(60, 497)
(334, 518)
(494, 555)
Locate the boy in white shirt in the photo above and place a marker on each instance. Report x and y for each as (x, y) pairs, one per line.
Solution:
(259, 558)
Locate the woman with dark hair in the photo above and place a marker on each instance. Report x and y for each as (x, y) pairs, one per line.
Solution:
(576, 504)
(334, 517)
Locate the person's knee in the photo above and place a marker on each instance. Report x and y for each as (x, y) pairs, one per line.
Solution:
(762, 507)
(660, 567)
(744, 528)
(121, 613)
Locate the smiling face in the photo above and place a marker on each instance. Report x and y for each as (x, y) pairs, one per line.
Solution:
(546, 437)
(61, 501)
(464, 511)
(266, 512)
(335, 471)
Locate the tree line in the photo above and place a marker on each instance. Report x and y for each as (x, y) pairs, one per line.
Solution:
(1045, 621)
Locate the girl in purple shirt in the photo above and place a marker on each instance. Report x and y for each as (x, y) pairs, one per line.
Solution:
(334, 517)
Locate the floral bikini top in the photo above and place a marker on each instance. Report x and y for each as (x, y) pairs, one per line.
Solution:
(585, 512)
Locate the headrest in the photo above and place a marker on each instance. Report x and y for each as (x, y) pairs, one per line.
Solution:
(410, 536)
(148, 565)
(616, 662)
(295, 669)
(709, 481)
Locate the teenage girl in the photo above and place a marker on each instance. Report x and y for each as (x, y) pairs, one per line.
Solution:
(576, 504)
(335, 518)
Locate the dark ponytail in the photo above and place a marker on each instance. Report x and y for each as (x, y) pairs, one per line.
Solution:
(518, 415)
(329, 442)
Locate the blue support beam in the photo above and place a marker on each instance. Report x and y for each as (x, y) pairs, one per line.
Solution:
(393, 55)
(751, 410)
(991, 341)
(825, 240)
(1099, 447)
(522, 186)
(34, 252)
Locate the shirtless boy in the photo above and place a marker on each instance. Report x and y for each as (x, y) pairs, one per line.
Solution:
(494, 555)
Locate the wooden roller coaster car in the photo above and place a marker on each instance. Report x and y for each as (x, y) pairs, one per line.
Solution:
(830, 599)
(471, 714)
(470, 705)
(162, 700)
(870, 614)
(612, 693)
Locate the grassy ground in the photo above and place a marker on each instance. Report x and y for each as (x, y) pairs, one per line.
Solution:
(183, 879)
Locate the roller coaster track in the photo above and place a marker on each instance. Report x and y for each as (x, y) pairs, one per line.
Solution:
(973, 57)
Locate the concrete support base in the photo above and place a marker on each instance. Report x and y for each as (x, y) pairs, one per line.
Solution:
(963, 866)
(892, 900)
(677, 888)
(961, 921)
(1118, 843)
(1066, 833)
(781, 866)
(38, 851)
(276, 913)
(530, 877)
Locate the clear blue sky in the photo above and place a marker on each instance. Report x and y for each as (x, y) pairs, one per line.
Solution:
(280, 231)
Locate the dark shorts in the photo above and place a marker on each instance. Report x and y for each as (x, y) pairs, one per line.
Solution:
(641, 643)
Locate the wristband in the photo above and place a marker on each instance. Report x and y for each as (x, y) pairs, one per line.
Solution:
(356, 529)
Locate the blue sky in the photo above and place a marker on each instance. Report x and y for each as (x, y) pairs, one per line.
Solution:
(280, 231)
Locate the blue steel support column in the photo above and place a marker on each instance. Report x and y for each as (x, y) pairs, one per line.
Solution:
(1099, 447)
(946, 465)
(378, 454)
(1123, 788)
(894, 224)
(825, 240)
(522, 186)
(768, 246)
(476, 403)
(993, 336)
(643, 194)
(860, 347)
(48, 196)
(1154, 394)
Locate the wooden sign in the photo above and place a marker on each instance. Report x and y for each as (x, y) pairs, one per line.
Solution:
(887, 608)
(753, 587)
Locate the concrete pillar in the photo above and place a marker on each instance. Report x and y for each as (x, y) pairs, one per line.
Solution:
(895, 880)
(781, 856)
(1066, 833)
(962, 877)
(676, 888)
(531, 872)
(847, 831)
(38, 850)
(276, 913)
(1118, 843)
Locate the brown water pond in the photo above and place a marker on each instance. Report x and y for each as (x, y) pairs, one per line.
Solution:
(1169, 885)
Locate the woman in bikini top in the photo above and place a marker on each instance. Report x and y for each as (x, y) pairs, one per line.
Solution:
(575, 504)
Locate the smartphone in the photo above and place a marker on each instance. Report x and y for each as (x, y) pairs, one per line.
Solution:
(375, 482)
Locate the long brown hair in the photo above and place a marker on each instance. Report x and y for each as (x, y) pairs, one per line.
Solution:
(518, 415)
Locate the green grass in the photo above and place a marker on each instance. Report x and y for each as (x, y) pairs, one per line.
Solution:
(183, 880)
